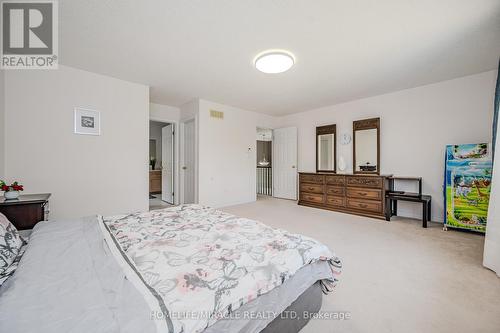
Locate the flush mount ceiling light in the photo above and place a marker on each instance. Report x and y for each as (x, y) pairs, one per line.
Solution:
(274, 61)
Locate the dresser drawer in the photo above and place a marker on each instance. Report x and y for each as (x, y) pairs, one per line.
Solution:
(310, 197)
(156, 174)
(318, 179)
(335, 180)
(154, 181)
(311, 188)
(335, 201)
(364, 193)
(364, 205)
(365, 181)
(335, 190)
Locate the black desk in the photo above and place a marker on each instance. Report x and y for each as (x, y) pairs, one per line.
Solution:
(391, 204)
(25, 211)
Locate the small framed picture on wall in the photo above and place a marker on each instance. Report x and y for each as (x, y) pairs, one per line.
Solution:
(87, 122)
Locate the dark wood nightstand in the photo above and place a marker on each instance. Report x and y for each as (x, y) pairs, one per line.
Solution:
(26, 211)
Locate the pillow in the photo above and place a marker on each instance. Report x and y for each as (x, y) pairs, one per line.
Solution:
(12, 268)
(10, 243)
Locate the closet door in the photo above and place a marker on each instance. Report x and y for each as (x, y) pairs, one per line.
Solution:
(188, 163)
(285, 163)
(167, 162)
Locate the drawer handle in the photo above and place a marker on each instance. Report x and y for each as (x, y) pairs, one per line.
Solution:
(310, 198)
(362, 193)
(363, 205)
(310, 188)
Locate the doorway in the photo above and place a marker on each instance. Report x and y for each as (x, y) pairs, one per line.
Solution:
(161, 164)
(277, 162)
(264, 161)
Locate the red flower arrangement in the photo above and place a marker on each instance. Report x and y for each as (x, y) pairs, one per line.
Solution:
(15, 186)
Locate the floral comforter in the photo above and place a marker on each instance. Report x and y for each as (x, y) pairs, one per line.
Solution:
(197, 264)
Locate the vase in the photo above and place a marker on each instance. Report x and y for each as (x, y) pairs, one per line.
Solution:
(342, 165)
(9, 195)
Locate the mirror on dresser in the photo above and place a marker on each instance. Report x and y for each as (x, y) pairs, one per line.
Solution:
(326, 154)
(366, 146)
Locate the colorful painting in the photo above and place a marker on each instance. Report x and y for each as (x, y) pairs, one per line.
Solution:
(468, 184)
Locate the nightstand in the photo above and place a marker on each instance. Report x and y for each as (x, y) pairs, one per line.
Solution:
(26, 211)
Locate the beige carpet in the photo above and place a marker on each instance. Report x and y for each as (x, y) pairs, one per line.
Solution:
(397, 276)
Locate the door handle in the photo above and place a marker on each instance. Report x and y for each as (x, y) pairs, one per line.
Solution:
(184, 168)
(293, 166)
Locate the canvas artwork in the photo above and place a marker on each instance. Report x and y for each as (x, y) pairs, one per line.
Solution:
(468, 183)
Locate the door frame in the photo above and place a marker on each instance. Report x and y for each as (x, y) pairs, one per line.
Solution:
(181, 158)
(176, 154)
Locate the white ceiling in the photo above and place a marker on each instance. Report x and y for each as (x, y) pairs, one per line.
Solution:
(345, 50)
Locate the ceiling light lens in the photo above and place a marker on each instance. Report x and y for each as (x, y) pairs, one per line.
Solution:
(274, 62)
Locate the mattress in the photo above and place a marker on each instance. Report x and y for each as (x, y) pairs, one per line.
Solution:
(68, 280)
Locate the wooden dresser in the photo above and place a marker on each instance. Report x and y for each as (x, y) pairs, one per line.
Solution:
(154, 181)
(353, 194)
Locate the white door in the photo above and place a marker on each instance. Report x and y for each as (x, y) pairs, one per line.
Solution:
(167, 163)
(285, 163)
(188, 162)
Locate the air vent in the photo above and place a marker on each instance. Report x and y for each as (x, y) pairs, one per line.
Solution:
(216, 114)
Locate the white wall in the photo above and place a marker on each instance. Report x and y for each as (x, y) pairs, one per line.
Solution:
(227, 154)
(161, 112)
(416, 124)
(189, 110)
(86, 175)
(2, 129)
(89, 175)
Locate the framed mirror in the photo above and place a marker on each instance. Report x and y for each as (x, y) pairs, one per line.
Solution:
(152, 149)
(326, 152)
(366, 146)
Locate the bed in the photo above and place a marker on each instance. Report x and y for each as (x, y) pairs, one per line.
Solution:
(183, 269)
